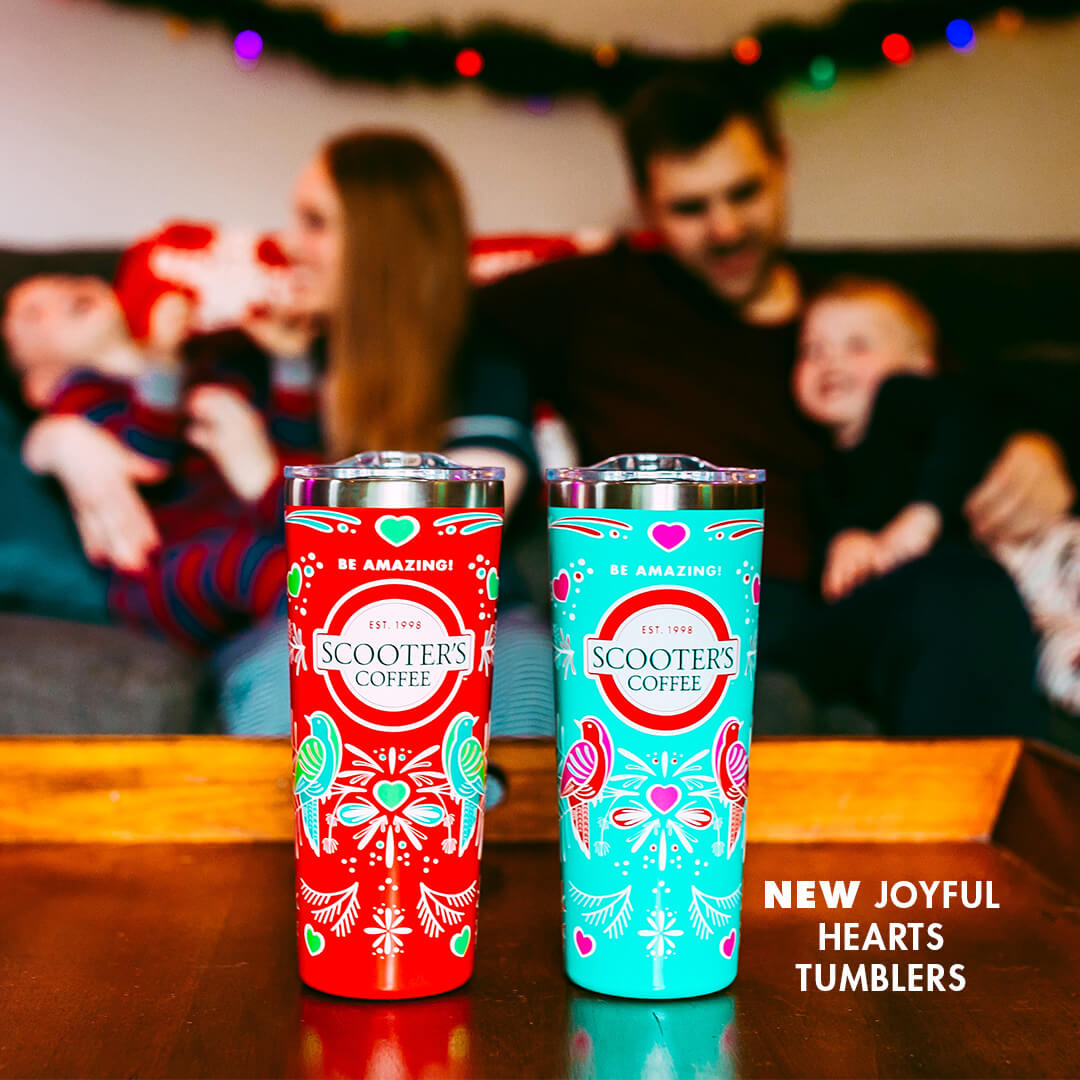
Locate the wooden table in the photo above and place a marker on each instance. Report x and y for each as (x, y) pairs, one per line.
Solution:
(160, 942)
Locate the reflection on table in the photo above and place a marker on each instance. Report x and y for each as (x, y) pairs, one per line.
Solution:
(395, 1040)
(608, 1038)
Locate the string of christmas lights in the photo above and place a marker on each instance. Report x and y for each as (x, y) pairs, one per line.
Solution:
(525, 63)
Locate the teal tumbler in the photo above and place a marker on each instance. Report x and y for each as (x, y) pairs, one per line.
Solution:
(655, 583)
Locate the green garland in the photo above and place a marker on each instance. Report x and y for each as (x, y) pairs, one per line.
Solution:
(525, 63)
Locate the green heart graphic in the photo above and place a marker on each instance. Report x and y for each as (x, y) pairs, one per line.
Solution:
(314, 941)
(460, 941)
(294, 580)
(397, 530)
(391, 793)
(493, 583)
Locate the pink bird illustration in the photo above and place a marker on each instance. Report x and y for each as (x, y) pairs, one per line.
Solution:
(731, 767)
(585, 771)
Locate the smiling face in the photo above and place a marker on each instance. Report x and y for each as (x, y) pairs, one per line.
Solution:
(315, 241)
(721, 209)
(849, 346)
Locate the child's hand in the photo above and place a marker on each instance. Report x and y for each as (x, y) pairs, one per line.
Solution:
(910, 535)
(232, 433)
(849, 562)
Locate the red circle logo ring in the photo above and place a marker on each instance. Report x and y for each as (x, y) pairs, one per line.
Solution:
(393, 653)
(687, 658)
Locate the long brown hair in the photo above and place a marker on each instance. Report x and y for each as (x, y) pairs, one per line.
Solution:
(403, 298)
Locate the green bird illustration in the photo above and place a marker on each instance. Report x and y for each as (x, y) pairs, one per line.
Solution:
(317, 762)
(463, 763)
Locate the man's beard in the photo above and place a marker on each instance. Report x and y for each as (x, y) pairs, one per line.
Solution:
(748, 288)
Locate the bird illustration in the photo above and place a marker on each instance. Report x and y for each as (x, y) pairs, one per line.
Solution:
(318, 759)
(731, 767)
(463, 763)
(585, 770)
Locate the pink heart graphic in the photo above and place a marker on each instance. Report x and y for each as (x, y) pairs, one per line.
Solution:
(669, 535)
(585, 943)
(560, 586)
(755, 589)
(663, 796)
(727, 945)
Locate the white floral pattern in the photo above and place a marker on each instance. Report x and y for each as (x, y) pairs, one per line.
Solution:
(636, 808)
(388, 931)
(661, 933)
(420, 799)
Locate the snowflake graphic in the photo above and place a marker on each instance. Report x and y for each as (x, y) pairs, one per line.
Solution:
(388, 931)
(297, 649)
(393, 796)
(487, 650)
(751, 657)
(660, 933)
(564, 653)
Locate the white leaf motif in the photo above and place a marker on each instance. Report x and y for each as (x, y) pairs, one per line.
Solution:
(341, 907)
(711, 912)
(614, 909)
(438, 910)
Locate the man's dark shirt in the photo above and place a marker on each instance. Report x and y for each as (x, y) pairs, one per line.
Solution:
(639, 356)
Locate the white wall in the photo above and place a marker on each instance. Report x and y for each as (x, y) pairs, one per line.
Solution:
(109, 124)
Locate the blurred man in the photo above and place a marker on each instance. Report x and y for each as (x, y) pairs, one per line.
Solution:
(689, 347)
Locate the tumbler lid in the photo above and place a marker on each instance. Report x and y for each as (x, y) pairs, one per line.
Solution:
(393, 465)
(658, 468)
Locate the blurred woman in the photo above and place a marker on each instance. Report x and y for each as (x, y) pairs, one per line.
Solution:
(373, 350)
(378, 324)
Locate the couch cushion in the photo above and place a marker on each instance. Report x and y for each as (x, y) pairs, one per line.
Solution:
(67, 678)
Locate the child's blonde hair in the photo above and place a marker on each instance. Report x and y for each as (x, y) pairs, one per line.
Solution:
(910, 310)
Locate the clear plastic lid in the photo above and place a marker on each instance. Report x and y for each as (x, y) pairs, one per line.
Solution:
(657, 468)
(393, 465)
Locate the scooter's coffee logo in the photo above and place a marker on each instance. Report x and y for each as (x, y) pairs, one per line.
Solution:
(663, 658)
(393, 653)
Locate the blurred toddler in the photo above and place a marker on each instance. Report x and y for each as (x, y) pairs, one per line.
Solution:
(906, 451)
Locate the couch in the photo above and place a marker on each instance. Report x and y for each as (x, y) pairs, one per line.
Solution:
(1011, 314)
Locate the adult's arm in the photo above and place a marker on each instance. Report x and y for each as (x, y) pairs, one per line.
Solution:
(1033, 480)
(100, 477)
(1027, 487)
(493, 425)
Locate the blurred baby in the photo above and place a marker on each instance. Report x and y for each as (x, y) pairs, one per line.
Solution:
(221, 560)
(54, 324)
(906, 451)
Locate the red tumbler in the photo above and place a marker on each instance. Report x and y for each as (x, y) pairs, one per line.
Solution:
(392, 585)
